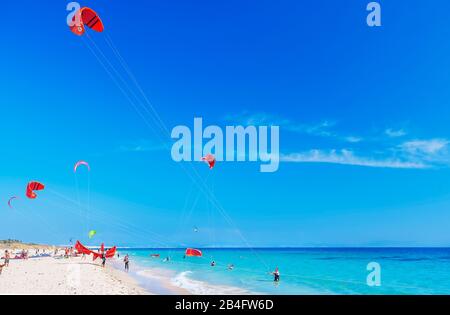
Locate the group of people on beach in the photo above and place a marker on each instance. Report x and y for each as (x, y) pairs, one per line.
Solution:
(69, 252)
(7, 257)
(23, 255)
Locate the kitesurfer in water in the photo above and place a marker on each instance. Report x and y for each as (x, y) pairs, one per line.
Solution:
(213, 263)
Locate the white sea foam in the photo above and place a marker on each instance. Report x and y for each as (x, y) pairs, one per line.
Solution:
(156, 273)
(164, 281)
(196, 287)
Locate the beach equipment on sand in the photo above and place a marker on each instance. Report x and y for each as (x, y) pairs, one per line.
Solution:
(191, 252)
(210, 159)
(86, 16)
(32, 187)
(81, 249)
(92, 233)
(79, 163)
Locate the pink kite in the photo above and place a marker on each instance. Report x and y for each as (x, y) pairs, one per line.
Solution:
(210, 159)
(81, 163)
(10, 200)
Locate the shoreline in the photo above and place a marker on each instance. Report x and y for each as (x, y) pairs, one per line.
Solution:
(54, 275)
(155, 280)
(167, 281)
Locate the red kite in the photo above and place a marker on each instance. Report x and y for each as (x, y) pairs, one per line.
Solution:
(110, 253)
(32, 187)
(86, 16)
(191, 252)
(210, 159)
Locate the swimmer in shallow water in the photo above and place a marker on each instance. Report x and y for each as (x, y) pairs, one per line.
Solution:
(276, 275)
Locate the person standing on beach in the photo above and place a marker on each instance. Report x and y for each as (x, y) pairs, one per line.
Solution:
(103, 259)
(7, 257)
(126, 260)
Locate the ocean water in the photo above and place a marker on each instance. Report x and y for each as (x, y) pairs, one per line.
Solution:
(415, 271)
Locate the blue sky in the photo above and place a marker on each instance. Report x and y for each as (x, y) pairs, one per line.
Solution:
(363, 115)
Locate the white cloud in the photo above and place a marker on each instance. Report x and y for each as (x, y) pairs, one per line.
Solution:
(258, 119)
(395, 133)
(416, 154)
(348, 157)
(141, 146)
(375, 152)
(429, 147)
(353, 139)
(320, 129)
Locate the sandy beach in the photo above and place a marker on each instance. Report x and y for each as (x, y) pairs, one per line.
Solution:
(51, 276)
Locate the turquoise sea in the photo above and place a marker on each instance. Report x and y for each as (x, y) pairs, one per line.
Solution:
(303, 270)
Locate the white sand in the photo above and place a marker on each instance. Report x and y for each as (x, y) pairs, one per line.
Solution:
(72, 276)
